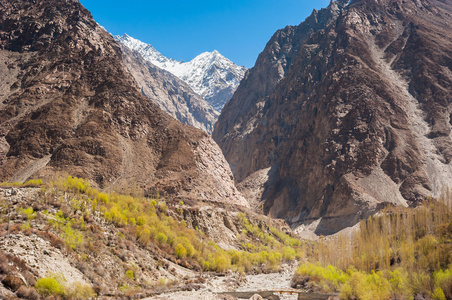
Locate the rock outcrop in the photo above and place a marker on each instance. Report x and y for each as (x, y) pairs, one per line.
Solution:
(170, 93)
(346, 112)
(68, 103)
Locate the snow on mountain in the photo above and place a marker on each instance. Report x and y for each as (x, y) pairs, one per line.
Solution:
(210, 74)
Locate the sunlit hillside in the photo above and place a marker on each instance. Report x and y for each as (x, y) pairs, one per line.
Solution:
(120, 242)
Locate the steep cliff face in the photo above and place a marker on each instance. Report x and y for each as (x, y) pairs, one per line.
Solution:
(170, 93)
(352, 114)
(69, 104)
(245, 110)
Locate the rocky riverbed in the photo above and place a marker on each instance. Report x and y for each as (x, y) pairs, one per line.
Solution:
(230, 286)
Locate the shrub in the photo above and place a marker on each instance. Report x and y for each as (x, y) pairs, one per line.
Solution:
(236, 257)
(25, 226)
(288, 253)
(129, 274)
(72, 183)
(400, 286)
(438, 294)
(141, 220)
(329, 278)
(144, 235)
(12, 282)
(72, 238)
(378, 286)
(188, 246)
(161, 281)
(365, 286)
(102, 197)
(28, 213)
(447, 288)
(420, 283)
(161, 238)
(48, 286)
(222, 263)
(33, 183)
(94, 205)
(354, 287)
(54, 240)
(27, 293)
(81, 291)
(163, 207)
(443, 280)
(180, 251)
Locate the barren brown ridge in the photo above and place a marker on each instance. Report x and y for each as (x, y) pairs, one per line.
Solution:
(69, 104)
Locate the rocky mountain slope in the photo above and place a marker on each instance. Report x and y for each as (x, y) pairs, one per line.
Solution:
(171, 94)
(345, 112)
(210, 74)
(68, 103)
(68, 241)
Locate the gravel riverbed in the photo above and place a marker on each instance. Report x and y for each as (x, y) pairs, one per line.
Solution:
(217, 285)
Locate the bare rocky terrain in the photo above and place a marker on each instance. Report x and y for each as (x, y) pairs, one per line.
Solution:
(225, 287)
(345, 113)
(69, 104)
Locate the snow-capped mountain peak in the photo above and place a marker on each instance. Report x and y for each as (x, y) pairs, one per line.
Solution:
(210, 74)
(148, 52)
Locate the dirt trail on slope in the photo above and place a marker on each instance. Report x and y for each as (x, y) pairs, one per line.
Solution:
(127, 161)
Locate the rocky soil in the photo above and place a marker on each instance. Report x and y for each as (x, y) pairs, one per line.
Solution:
(35, 247)
(41, 256)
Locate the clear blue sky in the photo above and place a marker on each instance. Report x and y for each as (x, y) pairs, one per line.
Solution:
(238, 29)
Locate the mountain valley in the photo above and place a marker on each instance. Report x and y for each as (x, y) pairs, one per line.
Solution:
(325, 176)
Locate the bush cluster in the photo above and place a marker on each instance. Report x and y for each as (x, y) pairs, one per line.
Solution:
(29, 183)
(56, 285)
(397, 254)
(149, 220)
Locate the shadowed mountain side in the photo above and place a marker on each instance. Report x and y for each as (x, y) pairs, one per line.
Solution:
(344, 113)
